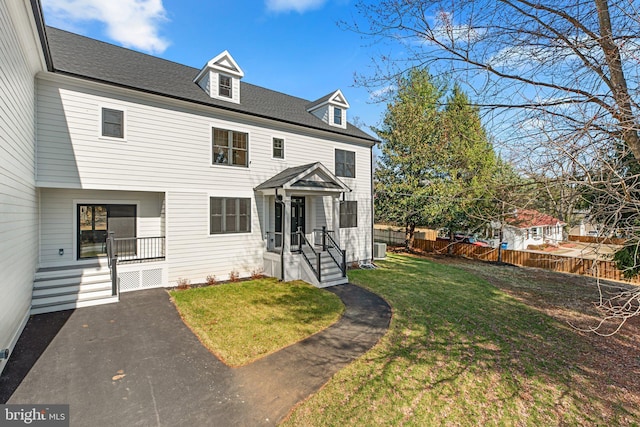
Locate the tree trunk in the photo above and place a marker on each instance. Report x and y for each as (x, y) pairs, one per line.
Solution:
(409, 232)
(618, 83)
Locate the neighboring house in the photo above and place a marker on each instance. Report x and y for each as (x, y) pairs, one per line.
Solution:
(195, 172)
(530, 227)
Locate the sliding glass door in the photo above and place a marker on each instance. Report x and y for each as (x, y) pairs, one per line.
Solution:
(95, 221)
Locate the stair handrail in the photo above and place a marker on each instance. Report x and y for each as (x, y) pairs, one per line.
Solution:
(112, 262)
(342, 264)
(302, 238)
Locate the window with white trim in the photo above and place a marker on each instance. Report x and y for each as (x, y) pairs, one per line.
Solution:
(230, 147)
(278, 148)
(348, 214)
(229, 215)
(112, 123)
(337, 116)
(225, 87)
(345, 163)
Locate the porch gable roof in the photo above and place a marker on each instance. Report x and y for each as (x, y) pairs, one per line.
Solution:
(312, 176)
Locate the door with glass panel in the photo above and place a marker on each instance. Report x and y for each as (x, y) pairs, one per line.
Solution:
(94, 223)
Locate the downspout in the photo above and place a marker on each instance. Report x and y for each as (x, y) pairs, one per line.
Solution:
(281, 228)
(372, 205)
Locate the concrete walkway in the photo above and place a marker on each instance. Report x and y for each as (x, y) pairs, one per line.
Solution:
(135, 363)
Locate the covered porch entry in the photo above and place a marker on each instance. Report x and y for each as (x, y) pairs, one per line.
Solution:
(302, 225)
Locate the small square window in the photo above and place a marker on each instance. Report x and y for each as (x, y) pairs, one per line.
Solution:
(224, 86)
(337, 116)
(112, 123)
(278, 148)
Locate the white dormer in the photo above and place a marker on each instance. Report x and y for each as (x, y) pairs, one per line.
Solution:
(220, 78)
(331, 109)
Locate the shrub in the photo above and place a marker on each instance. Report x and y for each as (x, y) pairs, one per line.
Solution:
(234, 276)
(183, 283)
(257, 273)
(211, 280)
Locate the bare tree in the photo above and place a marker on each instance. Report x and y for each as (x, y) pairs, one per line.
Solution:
(558, 84)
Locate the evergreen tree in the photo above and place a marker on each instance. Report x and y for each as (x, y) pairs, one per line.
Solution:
(437, 166)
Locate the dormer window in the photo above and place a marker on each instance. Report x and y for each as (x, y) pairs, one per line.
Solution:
(224, 86)
(337, 116)
(331, 109)
(220, 78)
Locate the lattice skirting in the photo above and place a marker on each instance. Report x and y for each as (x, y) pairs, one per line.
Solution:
(143, 278)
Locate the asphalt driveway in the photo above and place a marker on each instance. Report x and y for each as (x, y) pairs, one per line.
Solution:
(135, 363)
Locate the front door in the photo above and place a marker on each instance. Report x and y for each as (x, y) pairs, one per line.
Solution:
(95, 221)
(297, 218)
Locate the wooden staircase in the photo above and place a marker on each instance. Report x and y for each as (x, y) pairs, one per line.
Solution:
(330, 272)
(69, 287)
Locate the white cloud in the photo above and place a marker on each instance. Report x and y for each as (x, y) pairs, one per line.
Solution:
(133, 23)
(299, 6)
(446, 30)
(382, 93)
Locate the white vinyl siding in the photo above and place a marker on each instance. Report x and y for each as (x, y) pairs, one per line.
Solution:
(169, 149)
(194, 254)
(59, 222)
(19, 62)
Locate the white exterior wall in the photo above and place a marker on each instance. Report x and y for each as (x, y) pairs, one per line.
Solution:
(58, 219)
(168, 149)
(19, 62)
(517, 237)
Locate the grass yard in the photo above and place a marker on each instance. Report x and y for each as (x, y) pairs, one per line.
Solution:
(244, 321)
(479, 344)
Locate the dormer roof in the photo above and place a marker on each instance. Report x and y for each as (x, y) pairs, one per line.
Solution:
(224, 63)
(335, 98)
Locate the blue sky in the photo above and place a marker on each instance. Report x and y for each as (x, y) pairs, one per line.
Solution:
(291, 46)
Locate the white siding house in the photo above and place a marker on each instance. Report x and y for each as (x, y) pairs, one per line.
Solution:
(21, 58)
(530, 227)
(195, 172)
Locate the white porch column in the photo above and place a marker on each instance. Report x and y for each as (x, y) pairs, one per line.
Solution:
(286, 237)
(336, 219)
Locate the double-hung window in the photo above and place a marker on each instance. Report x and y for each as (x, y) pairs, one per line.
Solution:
(229, 215)
(348, 214)
(230, 147)
(112, 123)
(278, 148)
(225, 87)
(346, 163)
(337, 116)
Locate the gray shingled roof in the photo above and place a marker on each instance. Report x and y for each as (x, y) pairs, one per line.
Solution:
(287, 175)
(91, 59)
(283, 177)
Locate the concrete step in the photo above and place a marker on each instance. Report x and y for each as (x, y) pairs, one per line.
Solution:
(60, 306)
(69, 287)
(333, 282)
(57, 282)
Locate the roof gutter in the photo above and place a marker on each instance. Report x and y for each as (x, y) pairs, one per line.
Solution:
(42, 34)
(370, 141)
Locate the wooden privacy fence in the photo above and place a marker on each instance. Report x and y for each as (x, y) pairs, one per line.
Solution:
(594, 239)
(605, 270)
(397, 237)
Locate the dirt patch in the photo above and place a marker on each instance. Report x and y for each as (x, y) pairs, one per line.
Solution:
(612, 365)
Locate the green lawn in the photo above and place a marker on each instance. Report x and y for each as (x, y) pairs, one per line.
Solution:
(244, 321)
(462, 352)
